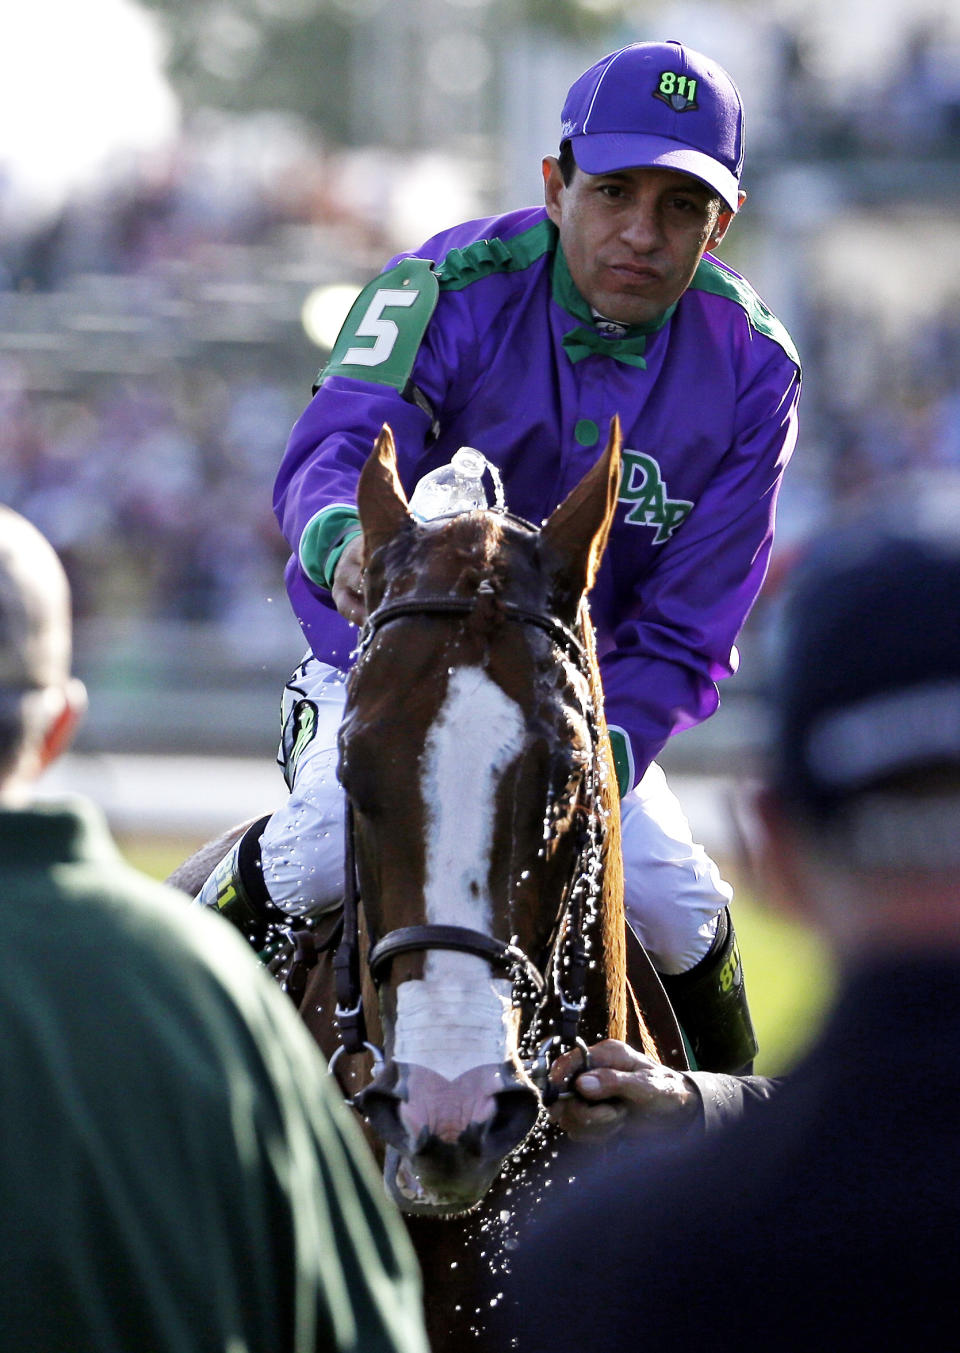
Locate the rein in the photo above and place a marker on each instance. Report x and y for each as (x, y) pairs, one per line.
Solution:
(510, 958)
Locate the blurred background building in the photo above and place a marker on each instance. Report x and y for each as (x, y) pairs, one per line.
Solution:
(192, 192)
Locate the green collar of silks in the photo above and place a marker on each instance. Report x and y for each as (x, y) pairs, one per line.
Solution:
(588, 341)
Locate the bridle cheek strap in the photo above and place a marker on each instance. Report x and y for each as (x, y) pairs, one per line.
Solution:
(508, 958)
(409, 939)
(346, 961)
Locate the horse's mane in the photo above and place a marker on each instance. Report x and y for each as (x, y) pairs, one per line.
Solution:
(612, 914)
(611, 903)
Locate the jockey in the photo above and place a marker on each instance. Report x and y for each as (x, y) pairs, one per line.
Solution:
(522, 335)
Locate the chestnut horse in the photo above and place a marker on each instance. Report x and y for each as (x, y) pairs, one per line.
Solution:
(483, 926)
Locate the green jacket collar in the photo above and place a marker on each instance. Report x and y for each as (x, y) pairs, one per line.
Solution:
(62, 832)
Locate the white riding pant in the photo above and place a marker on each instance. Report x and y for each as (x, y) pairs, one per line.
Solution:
(673, 891)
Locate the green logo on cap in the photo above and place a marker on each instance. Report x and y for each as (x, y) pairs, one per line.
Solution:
(678, 92)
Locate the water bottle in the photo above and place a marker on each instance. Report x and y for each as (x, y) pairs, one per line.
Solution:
(456, 487)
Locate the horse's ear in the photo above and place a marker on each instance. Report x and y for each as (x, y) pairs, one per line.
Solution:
(576, 532)
(381, 501)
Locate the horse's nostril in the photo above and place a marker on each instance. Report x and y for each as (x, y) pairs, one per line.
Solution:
(517, 1111)
(381, 1109)
(447, 1123)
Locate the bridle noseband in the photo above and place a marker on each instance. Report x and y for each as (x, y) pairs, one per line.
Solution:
(570, 990)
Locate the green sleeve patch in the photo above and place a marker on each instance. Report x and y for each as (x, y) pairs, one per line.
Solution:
(711, 278)
(382, 334)
(622, 759)
(324, 538)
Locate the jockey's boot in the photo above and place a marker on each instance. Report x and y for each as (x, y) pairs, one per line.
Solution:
(236, 888)
(710, 1002)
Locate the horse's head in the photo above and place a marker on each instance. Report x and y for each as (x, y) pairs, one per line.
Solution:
(467, 753)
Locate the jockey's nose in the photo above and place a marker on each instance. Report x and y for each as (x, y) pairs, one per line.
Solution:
(641, 228)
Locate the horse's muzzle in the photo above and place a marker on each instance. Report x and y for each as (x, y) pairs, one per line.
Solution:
(450, 1136)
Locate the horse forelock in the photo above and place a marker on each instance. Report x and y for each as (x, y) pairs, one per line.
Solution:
(457, 556)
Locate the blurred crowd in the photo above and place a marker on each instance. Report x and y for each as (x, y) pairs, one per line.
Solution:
(156, 493)
(152, 359)
(909, 106)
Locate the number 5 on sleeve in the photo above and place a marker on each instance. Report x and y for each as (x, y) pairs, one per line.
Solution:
(385, 326)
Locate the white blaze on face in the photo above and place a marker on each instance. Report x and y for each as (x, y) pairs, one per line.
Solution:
(459, 1016)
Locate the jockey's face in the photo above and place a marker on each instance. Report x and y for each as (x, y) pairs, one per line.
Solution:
(633, 239)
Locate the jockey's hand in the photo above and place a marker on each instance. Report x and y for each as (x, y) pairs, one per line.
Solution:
(347, 590)
(624, 1091)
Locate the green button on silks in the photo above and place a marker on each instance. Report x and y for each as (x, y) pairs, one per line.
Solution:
(586, 432)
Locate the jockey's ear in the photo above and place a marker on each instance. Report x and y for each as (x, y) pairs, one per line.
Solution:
(576, 532)
(381, 501)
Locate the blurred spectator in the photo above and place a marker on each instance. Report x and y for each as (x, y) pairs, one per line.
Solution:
(179, 1174)
(827, 1213)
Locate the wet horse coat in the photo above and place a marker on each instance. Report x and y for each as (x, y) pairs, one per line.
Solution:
(468, 753)
(485, 835)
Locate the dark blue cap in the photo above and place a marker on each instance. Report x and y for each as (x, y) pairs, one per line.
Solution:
(868, 687)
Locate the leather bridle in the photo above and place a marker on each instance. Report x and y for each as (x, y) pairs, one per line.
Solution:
(569, 975)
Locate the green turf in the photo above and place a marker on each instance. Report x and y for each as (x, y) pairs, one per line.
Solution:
(790, 981)
(789, 978)
(155, 855)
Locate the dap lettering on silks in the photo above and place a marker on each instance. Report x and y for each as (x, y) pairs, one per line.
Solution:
(643, 488)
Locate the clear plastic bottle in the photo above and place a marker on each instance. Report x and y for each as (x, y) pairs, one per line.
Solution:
(456, 487)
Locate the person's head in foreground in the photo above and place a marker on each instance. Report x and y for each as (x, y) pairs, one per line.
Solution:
(40, 702)
(866, 757)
